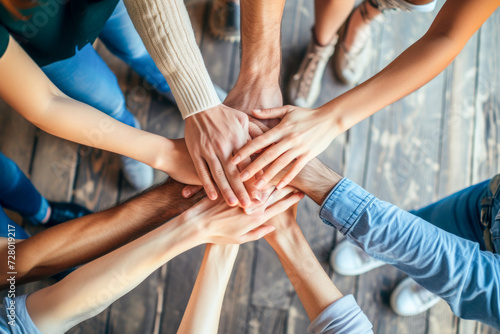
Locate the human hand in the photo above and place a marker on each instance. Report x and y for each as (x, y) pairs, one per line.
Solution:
(215, 222)
(212, 137)
(301, 135)
(255, 93)
(180, 165)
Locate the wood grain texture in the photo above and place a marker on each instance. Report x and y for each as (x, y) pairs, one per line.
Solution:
(485, 162)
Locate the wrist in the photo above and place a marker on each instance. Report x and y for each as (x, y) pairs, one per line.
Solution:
(222, 254)
(166, 150)
(191, 228)
(286, 241)
(316, 180)
(336, 117)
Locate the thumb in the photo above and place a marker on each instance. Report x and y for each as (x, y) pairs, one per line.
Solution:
(278, 112)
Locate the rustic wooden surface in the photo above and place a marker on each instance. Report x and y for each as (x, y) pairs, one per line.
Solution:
(440, 139)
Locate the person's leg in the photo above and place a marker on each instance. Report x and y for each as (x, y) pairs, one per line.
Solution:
(305, 85)
(121, 38)
(329, 16)
(458, 213)
(86, 77)
(17, 193)
(353, 51)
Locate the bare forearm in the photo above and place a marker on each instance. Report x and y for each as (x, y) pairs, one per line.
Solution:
(85, 125)
(313, 286)
(91, 288)
(56, 249)
(419, 64)
(456, 22)
(260, 39)
(203, 310)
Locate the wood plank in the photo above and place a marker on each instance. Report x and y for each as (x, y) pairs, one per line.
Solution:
(402, 165)
(264, 320)
(17, 142)
(441, 320)
(486, 157)
(17, 137)
(181, 275)
(457, 132)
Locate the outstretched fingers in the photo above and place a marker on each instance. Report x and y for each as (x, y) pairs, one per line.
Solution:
(282, 205)
(267, 157)
(258, 143)
(205, 178)
(294, 171)
(256, 233)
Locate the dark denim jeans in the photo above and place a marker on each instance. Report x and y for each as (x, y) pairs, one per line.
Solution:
(17, 193)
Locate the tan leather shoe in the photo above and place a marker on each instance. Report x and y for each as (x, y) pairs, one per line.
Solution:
(305, 85)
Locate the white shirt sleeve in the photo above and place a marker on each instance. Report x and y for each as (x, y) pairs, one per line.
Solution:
(165, 29)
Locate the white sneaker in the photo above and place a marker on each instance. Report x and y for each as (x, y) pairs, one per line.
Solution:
(350, 260)
(138, 174)
(410, 299)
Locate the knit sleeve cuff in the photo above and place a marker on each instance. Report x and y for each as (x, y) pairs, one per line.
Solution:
(165, 29)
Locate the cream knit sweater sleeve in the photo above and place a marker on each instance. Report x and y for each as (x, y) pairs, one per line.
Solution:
(165, 29)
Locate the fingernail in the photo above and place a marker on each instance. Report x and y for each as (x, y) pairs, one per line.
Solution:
(232, 200)
(212, 195)
(280, 185)
(259, 184)
(257, 195)
(245, 176)
(187, 193)
(257, 110)
(236, 160)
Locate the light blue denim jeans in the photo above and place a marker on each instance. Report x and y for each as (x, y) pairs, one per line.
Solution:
(87, 78)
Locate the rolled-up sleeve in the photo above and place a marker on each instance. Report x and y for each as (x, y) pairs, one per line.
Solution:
(343, 316)
(451, 267)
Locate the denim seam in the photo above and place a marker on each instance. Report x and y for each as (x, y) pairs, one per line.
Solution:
(362, 209)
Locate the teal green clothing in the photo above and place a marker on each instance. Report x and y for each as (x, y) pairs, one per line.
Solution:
(55, 28)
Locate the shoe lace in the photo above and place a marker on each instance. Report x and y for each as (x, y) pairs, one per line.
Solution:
(308, 67)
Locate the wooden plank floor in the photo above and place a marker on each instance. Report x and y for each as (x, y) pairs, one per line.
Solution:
(438, 140)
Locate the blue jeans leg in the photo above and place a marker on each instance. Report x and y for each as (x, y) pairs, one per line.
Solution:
(86, 77)
(121, 38)
(5, 221)
(458, 213)
(17, 193)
